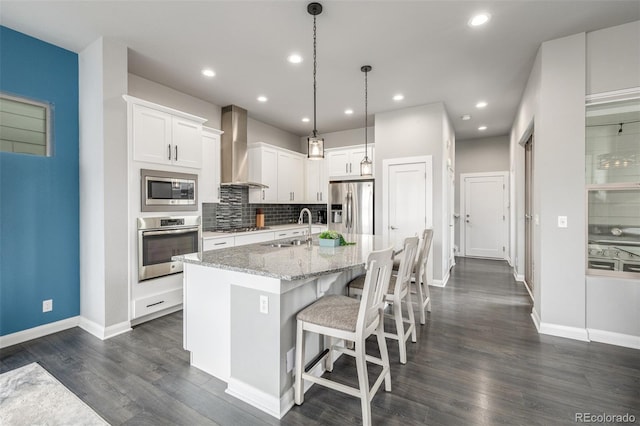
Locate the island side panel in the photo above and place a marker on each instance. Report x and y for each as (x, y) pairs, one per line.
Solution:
(207, 318)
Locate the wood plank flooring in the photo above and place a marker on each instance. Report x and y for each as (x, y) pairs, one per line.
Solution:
(478, 360)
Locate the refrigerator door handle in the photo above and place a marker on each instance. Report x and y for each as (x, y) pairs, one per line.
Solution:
(349, 209)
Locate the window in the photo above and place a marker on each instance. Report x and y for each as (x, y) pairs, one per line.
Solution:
(25, 126)
(613, 188)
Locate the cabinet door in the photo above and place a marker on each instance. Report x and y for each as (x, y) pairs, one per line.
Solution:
(290, 178)
(316, 181)
(187, 143)
(209, 182)
(338, 163)
(151, 135)
(263, 168)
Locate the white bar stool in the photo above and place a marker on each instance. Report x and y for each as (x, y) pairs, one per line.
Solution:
(341, 317)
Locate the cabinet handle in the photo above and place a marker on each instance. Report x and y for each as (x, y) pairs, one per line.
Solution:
(321, 196)
(154, 304)
(176, 151)
(346, 167)
(220, 244)
(263, 194)
(350, 169)
(169, 149)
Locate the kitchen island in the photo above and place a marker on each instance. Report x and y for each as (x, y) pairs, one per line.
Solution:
(240, 305)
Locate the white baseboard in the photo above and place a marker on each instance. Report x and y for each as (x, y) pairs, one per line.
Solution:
(270, 404)
(536, 319)
(611, 338)
(101, 332)
(567, 332)
(442, 282)
(39, 331)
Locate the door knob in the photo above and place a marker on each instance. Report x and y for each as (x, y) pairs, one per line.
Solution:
(393, 227)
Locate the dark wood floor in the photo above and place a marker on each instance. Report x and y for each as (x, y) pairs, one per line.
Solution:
(479, 360)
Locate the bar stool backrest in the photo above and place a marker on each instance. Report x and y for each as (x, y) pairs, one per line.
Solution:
(376, 284)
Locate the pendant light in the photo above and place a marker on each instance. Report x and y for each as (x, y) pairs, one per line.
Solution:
(366, 166)
(315, 145)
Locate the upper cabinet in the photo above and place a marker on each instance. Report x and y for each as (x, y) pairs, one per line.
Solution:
(290, 177)
(282, 170)
(263, 168)
(345, 162)
(209, 185)
(317, 183)
(165, 136)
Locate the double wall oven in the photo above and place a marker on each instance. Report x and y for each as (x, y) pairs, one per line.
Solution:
(160, 238)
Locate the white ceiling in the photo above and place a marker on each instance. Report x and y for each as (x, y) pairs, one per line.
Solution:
(423, 49)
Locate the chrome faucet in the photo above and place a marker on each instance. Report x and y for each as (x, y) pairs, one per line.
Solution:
(300, 221)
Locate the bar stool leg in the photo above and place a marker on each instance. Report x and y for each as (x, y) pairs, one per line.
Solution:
(412, 318)
(299, 383)
(363, 381)
(397, 315)
(384, 354)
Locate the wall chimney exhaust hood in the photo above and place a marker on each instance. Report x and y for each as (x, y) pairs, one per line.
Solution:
(233, 148)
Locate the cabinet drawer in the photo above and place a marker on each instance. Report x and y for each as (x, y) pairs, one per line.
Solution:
(286, 233)
(253, 238)
(157, 302)
(217, 243)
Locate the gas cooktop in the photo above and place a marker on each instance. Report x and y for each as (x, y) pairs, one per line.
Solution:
(244, 229)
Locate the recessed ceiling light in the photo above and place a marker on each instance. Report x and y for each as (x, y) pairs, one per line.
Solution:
(348, 111)
(481, 104)
(398, 97)
(465, 117)
(305, 119)
(294, 58)
(208, 72)
(479, 19)
(262, 99)
(482, 128)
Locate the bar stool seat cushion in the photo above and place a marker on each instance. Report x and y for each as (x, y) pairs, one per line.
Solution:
(358, 283)
(335, 311)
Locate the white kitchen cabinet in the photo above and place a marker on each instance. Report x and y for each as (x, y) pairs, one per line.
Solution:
(290, 177)
(288, 233)
(263, 168)
(253, 238)
(345, 162)
(217, 243)
(316, 181)
(209, 183)
(165, 136)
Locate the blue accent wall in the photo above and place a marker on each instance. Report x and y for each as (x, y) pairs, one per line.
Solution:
(39, 196)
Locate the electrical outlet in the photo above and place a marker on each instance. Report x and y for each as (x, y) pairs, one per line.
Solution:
(562, 221)
(291, 363)
(264, 304)
(47, 305)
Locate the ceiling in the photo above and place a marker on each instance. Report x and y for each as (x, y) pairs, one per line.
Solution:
(422, 49)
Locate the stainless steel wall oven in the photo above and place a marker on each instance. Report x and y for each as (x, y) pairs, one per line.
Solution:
(160, 238)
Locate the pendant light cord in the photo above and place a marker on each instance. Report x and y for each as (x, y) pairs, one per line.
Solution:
(315, 131)
(366, 115)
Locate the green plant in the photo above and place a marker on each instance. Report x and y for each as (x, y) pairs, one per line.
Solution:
(333, 235)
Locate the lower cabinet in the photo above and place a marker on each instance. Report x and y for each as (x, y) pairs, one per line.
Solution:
(217, 243)
(157, 302)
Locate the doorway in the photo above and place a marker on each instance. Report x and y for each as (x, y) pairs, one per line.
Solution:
(529, 221)
(483, 201)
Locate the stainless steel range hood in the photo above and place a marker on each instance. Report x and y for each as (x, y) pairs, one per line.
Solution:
(233, 148)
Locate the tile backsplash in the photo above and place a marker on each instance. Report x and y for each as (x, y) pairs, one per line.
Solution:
(235, 211)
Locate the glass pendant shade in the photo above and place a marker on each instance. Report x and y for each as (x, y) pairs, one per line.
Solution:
(366, 167)
(315, 148)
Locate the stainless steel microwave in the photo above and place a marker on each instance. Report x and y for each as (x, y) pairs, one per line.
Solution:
(163, 191)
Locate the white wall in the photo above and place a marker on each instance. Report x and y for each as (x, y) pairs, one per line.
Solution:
(104, 287)
(567, 302)
(479, 155)
(258, 131)
(342, 138)
(412, 132)
(613, 61)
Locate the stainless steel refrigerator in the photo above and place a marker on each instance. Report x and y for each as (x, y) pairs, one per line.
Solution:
(351, 206)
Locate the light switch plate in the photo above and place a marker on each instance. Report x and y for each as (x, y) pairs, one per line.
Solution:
(264, 304)
(562, 221)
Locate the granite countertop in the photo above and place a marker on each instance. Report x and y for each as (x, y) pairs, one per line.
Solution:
(274, 228)
(290, 263)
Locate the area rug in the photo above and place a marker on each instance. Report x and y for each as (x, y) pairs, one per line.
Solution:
(29, 395)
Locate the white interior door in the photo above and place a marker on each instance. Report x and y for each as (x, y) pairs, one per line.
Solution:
(484, 215)
(406, 195)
